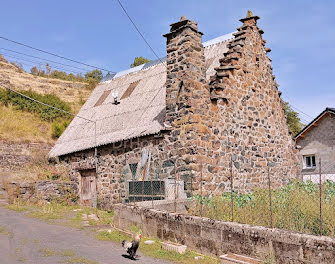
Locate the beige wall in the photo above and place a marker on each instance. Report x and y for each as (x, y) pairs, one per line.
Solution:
(320, 141)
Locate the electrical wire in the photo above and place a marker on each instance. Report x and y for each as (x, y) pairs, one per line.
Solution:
(139, 32)
(33, 63)
(37, 101)
(53, 54)
(32, 56)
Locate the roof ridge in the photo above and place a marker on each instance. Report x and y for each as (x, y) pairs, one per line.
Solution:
(150, 64)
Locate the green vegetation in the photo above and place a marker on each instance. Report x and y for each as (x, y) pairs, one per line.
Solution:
(92, 77)
(293, 119)
(61, 212)
(8, 97)
(16, 126)
(56, 74)
(155, 250)
(58, 127)
(68, 254)
(295, 207)
(80, 260)
(17, 102)
(139, 61)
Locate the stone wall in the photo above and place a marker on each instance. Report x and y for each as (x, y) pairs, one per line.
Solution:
(43, 190)
(217, 237)
(234, 125)
(249, 125)
(113, 166)
(15, 155)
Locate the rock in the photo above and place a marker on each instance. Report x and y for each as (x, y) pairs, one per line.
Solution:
(149, 242)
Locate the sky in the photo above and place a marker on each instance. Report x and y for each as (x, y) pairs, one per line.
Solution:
(301, 34)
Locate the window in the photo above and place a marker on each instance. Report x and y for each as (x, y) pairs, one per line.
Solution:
(130, 89)
(102, 98)
(309, 162)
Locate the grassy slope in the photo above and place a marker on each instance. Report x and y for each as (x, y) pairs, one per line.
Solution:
(18, 126)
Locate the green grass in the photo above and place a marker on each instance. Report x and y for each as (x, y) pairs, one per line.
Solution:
(63, 214)
(155, 250)
(4, 231)
(68, 254)
(47, 252)
(79, 260)
(18, 207)
(295, 207)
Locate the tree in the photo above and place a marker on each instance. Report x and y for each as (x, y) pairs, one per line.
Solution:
(139, 61)
(34, 71)
(48, 68)
(293, 120)
(95, 74)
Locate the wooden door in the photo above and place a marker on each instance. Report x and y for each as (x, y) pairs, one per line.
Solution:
(88, 188)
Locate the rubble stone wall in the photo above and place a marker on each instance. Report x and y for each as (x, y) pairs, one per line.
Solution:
(249, 124)
(15, 155)
(217, 237)
(43, 190)
(233, 126)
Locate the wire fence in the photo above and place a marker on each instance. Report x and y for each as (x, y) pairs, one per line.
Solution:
(304, 204)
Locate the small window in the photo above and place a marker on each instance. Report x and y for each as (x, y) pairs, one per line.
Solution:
(103, 97)
(130, 89)
(309, 162)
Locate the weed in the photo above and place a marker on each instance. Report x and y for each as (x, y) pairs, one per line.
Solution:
(295, 207)
(79, 260)
(67, 253)
(47, 252)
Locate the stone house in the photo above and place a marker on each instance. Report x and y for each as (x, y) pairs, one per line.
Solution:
(316, 142)
(210, 110)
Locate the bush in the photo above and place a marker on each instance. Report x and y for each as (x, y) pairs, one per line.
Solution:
(46, 113)
(58, 128)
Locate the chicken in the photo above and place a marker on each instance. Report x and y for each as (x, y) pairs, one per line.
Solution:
(132, 247)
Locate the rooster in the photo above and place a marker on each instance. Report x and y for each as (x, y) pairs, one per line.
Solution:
(132, 247)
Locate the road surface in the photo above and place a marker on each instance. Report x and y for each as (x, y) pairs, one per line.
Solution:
(29, 240)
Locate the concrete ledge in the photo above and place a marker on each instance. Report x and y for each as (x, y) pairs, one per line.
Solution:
(217, 237)
(181, 249)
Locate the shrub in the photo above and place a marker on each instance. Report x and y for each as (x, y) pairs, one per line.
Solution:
(58, 128)
(24, 104)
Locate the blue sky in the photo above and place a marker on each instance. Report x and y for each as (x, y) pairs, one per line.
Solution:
(299, 32)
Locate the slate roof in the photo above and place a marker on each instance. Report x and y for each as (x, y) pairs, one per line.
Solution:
(141, 110)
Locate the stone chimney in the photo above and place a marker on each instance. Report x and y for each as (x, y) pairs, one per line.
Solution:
(187, 99)
(186, 90)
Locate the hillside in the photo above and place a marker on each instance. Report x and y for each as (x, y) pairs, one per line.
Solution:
(20, 126)
(72, 92)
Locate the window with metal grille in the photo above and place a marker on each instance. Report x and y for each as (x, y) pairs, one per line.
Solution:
(102, 98)
(130, 89)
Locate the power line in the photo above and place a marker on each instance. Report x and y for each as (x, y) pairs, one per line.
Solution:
(37, 101)
(32, 56)
(288, 99)
(33, 63)
(53, 54)
(139, 32)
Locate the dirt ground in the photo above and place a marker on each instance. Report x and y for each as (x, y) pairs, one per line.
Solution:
(29, 240)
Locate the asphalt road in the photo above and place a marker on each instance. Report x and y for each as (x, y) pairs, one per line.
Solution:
(27, 240)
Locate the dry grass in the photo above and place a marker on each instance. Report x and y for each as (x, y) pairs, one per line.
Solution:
(66, 90)
(18, 126)
(39, 169)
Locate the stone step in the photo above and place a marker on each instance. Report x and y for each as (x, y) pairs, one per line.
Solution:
(237, 259)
